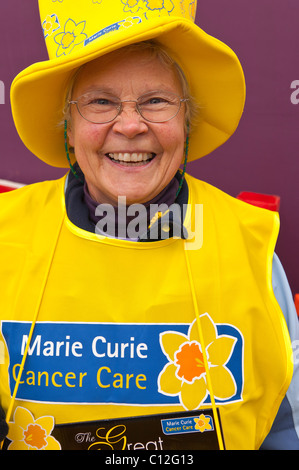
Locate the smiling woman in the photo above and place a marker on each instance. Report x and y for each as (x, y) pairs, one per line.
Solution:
(178, 315)
(107, 151)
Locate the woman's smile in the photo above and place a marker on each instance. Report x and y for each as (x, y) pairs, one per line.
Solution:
(134, 159)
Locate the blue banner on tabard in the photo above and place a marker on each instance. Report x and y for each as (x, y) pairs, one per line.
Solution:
(98, 362)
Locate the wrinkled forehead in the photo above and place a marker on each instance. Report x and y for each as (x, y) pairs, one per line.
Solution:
(138, 67)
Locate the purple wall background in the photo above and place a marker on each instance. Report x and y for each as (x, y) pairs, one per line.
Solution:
(260, 157)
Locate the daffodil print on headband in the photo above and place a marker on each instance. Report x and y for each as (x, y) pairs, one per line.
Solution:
(185, 375)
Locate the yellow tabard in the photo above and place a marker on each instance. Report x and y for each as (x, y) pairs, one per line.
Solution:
(116, 327)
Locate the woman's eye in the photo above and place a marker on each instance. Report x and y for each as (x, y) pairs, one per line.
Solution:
(101, 102)
(155, 100)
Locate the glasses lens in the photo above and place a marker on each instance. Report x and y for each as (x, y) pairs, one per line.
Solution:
(98, 107)
(158, 106)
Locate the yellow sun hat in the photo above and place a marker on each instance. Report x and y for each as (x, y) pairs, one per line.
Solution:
(78, 31)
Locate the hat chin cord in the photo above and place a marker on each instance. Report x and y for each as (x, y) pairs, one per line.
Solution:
(185, 162)
(68, 154)
(78, 177)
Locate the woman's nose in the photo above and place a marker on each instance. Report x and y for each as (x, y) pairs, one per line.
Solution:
(129, 122)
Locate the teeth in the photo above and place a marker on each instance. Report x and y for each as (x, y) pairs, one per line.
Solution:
(131, 157)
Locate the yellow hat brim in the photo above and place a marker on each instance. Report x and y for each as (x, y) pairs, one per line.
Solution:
(212, 69)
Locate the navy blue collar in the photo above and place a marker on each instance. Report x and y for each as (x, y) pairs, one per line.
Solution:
(81, 207)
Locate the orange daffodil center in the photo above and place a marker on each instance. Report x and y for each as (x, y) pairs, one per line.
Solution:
(35, 435)
(190, 362)
(185, 375)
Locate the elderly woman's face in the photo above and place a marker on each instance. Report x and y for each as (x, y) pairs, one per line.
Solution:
(99, 147)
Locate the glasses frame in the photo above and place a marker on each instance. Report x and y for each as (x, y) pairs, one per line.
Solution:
(120, 108)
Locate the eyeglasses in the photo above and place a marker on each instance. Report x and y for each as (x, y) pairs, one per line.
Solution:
(156, 106)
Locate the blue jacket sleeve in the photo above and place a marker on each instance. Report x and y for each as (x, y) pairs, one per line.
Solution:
(284, 434)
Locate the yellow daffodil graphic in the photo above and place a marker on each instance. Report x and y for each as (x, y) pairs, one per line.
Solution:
(185, 375)
(164, 6)
(27, 433)
(50, 24)
(128, 22)
(202, 423)
(70, 37)
(131, 5)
